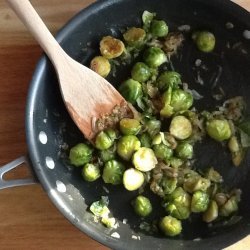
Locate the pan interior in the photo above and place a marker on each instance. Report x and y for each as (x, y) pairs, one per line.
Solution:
(50, 130)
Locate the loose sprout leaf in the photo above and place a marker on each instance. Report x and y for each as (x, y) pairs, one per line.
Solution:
(147, 18)
(245, 139)
(100, 208)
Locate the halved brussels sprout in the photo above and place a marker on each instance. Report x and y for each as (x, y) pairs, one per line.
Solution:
(181, 100)
(211, 213)
(184, 150)
(111, 47)
(144, 159)
(218, 129)
(170, 226)
(127, 145)
(105, 139)
(80, 154)
(168, 79)
(131, 90)
(180, 127)
(159, 28)
(200, 202)
(230, 206)
(129, 126)
(167, 110)
(135, 36)
(90, 172)
(132, 179)
(100, 65)
(205, 40)
(195, 183)
(154, 57)
(142, 206)
(113, 172)
(140, 72)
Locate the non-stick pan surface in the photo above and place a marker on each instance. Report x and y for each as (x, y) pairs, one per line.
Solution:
(50, 129)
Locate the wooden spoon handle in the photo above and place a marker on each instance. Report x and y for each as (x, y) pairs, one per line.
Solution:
(38, 29)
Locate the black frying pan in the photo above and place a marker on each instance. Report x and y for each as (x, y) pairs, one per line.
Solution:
(49, 127)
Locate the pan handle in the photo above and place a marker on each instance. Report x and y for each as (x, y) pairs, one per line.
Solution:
(18, 182)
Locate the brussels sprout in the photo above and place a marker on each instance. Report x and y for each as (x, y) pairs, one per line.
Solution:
(195, 182)
(181, 100)
(90, 172)
(199, 202)
(218, 129)
(131, 90)
(145, 140)
(142, 206)
(127, 145)
(113, 172)
(178, 203)
(80, 154)
(180, 127)
(211, 213)
(105, 139)
(132, 179)
(205, 41)
(162, 151)
(170, 226)
(168, 79)
(154, 57)
(178, 211)
(168, 184)
(140, 72)
(144, 159)
(176, 162)
(129, 126)
(159, 28)
(184, 150)
(107, 154)
(135, 36)
(179, 195)
(100, 65)
(111, 47)
(231, 206)
(152, 127)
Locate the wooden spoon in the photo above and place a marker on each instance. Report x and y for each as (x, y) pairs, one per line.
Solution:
(89, 98)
